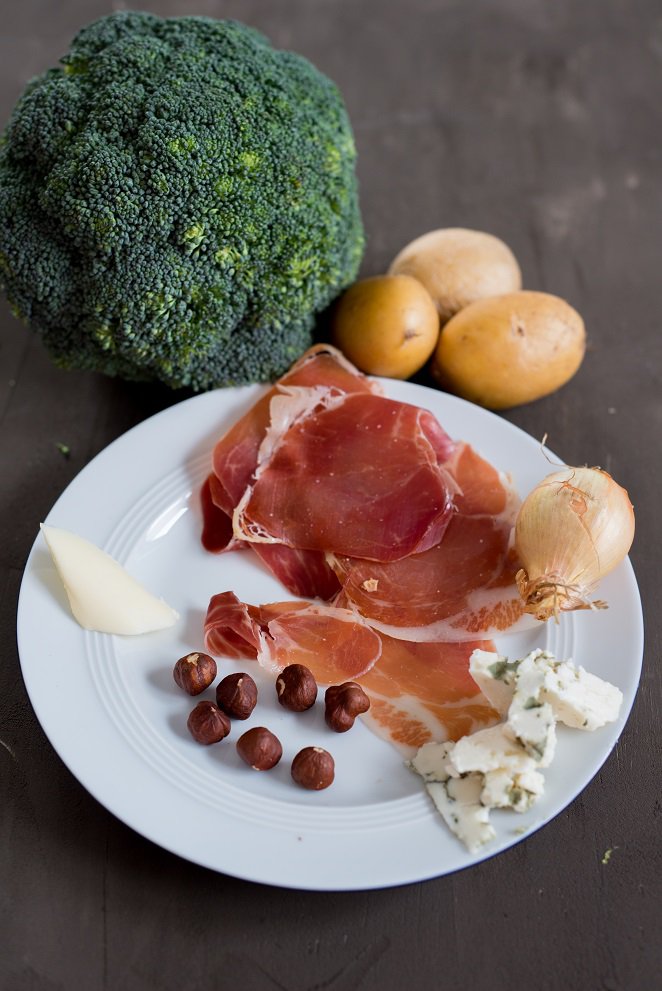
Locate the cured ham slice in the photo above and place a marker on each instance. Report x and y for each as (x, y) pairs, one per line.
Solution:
(463, 587)
(423, 692)
(303, 573)
(334, 643)
(356, 474)
(232, 628)
(235, 456)
(216, 524)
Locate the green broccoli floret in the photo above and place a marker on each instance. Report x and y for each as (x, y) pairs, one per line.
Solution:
(177, 202)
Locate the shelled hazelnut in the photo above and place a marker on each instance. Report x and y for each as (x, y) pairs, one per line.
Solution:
(313, 768)
(236, 695)
(260, 748)
(296, 688)
(194, 672)
(207, 724)
(343, 703)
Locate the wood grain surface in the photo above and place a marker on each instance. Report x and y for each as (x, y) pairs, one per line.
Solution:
(539, 121)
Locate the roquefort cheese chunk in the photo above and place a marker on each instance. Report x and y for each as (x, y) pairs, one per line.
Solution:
(431, 761)
(504, 789)
(490, 750)
(498, 767)
(458, 801)
(530, 718)
(495, 676)
(580, 699)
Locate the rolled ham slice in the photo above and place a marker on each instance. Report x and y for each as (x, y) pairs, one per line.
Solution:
(336, 644)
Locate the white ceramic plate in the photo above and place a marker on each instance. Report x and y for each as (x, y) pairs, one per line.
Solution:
(114, 715)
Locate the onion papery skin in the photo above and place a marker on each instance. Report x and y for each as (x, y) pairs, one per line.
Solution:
(575, 527)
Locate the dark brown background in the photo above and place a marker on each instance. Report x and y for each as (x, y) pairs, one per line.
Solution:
(538, 120)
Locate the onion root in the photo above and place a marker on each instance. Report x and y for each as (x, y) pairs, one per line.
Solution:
(549, 595)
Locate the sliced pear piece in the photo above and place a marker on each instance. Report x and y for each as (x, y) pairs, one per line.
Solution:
(102, 595)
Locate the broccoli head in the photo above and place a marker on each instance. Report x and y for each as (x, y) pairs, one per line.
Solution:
(177, 202)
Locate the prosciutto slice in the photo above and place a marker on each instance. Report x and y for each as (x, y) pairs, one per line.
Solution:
(235, 455)
(423, 692)
(460, 589)
(303, 573)
(235, 458)
(357, 475)
(334, 643)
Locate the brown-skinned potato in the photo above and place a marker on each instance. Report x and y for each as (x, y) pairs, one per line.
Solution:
(386, 325)
(510, 349)
(459, 266)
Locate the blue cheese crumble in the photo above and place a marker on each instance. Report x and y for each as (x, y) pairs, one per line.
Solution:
(500, 767)
(578, 698)
(530, 717)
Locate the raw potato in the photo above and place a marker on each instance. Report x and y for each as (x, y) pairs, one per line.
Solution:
(510, 350)
(387, 325)
(459, 266)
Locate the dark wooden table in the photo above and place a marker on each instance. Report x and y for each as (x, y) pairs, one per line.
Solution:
(537, 121)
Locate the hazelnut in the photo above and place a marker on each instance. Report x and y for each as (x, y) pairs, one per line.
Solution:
(313, 768)
(259, 748)
(343, 703)
(207, 724)
(195, 672)
(236, 695)
(296, 688)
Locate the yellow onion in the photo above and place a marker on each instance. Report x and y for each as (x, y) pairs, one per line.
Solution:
(571, 530)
